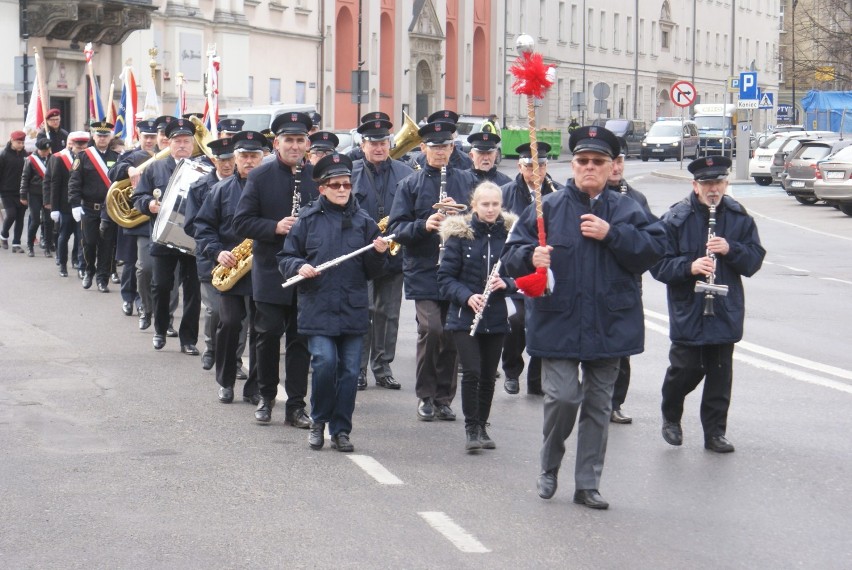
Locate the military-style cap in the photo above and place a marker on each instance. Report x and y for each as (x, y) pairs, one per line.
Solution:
(230, 125)
(525, 152)
(375, 116)
(18, 136)
(268, 133)
(332, 165)
(147, 127)
(163, 121)
(437, 133)
(179, 127)
(42, 143)
(375, 129)
(485, 142)
(53, 113)
(101, 127)
(222, 148)
(79, 136)
(188, 116)
(714, 167)
(267, 142)
(292, 123)
(594, 139)
(316, 119)
(444, 115)
(324, 140)
(249, 141)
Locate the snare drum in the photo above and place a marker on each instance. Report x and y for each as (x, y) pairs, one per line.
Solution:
(168, 226)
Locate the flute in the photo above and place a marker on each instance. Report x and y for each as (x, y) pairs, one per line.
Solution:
(485, 295)
(710, 288)
(336, 261)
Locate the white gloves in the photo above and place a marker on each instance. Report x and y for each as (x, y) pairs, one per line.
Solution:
(54, 216)
(77, 212)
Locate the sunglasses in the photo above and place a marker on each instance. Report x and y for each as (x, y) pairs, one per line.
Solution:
(338, 185)
(583, 161)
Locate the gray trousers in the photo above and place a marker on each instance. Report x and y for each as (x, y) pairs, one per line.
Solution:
(564, 396)
(436, 353)
(379, 350)
(144, 276)
(210, 315)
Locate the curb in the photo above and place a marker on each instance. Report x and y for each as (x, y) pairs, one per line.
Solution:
(685, 176)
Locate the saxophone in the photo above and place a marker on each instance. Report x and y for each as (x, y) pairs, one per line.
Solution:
(224, 278)
(297, 197)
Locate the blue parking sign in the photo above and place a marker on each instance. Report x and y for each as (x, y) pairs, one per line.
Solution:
(748, 85)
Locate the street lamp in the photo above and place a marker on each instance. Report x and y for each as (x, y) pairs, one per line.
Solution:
(793, 47)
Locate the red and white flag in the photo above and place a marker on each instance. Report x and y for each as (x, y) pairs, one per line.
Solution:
(211, 106)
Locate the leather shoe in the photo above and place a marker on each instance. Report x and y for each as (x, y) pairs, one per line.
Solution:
(87, 281)
(171, 332)
(81, 274)
(127, 308)
(241, 374)
(144, 321)
(159, 341)
(114, 278)
(263, 413)
(207, 360)
(590, 498)
(511, 385)
(341, 442)
(226, 395)
(547, 483)
(388, 382)
(103, 288)
(299, 419)
(672, 433)
(362, 380)
(718, 443)
(254, 399)
(425, 411)
(316, 438)
(444, 412)
(619, 417)
(189, 349)
(485, 439)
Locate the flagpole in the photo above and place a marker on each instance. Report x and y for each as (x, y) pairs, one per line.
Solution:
(89, 51)
(42, 93)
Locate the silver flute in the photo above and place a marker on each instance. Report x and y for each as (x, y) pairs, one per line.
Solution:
(495, 271)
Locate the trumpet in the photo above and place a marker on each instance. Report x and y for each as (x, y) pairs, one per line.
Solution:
(393, 246)
(710, 288)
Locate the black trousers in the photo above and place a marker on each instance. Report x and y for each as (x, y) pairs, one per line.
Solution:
(513, 350)
(232, 312)
(68, 228)
(15, 213)
(479, 356)
(622, 383)
(163, 280)
(271, 322)
(97, 248)
(39, 217)
(689, 365)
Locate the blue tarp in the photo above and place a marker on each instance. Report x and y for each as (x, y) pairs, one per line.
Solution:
(828, 111)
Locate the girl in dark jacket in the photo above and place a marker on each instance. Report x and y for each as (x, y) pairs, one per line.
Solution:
(472, 248)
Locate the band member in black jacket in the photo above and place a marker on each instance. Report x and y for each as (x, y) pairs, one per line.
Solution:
(59, 167)
(33, 195)
(483, 153)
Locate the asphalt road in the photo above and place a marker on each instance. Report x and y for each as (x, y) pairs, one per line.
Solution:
(117, 456)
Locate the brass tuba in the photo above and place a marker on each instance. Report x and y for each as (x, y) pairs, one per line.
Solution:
(406, 138)
(119, 200)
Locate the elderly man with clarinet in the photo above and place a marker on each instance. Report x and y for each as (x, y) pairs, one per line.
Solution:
(712, 244)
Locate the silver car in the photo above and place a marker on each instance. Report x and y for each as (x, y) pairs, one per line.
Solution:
(835, 183)
(802, 167)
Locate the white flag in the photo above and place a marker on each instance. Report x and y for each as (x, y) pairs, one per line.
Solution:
(34, 119)
(151, 110)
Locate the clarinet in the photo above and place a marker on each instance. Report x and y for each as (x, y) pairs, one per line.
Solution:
(297, 197)
(442, 195)
(709, 295)
(485, 295)
(623, 186)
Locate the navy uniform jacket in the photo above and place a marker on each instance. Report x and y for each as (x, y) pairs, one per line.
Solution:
(335, 302)
(635, 194)
(214, 230)
(85, 185)
(472, 249)
(412, 205)
(266, 200)
(195, 197)
(595, 310)
(155, 176)
(375, 189)
(517, 196)
(686, 229)
(492, 175)
(133, 157)
(58, 181)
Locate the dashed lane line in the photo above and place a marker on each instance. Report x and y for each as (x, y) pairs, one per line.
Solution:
(460, 538)
(375, 470)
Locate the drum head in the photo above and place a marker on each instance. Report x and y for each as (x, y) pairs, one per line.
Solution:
(168, 227)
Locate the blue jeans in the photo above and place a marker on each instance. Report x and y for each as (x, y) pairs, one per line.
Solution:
(335, 361)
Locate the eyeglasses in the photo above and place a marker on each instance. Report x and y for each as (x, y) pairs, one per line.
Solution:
(320, 152)
(583, 161)
(338, 185)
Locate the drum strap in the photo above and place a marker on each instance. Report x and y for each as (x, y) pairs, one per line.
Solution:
(99, 164)
(37, 163)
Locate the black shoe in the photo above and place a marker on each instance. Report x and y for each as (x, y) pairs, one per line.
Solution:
(48, 253)
(362, 380)
(127, 308)
(444, 412)
(316, 438)
(547, 483)
(619, 417)
(103, 288)
(159, 342)
(241, 374)
(226, 395)
(388, 382)
(299, 419)
(189, 349)
(672, 433)
(471, 442)
(81, 274)
(144, 320)
(485, 439)
(341, 442)
(534, 390)
(4, 242)
(207, 360)
(425, 411)
(511, 385)
(16, 248)
(87, 281)
(590, 498)
(63, 271)
(171, 332)
(30, 252)
(114, 278)
(718, 443)
(263, 413)
(254, 399)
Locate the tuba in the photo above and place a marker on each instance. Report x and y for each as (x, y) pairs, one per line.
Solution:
(406, 138)
(224, 278)
(119, 201)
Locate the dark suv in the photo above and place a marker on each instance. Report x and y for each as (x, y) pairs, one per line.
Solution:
(630, 134)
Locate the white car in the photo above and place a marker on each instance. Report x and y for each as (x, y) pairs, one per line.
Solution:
(761, 161)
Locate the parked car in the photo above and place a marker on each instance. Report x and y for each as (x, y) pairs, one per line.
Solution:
(779, 161)
(468, 125)
(630, 134)
(667, 137)
(834, 186)
(761, 160)
(348, 140)
(802, 167)
(261, 117)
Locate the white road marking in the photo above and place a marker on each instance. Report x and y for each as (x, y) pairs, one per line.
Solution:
(806, 228)
(462, 539)
(790, 267)
(375, 470)
(836, 280)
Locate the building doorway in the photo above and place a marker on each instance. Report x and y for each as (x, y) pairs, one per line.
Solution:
(425, 90)
(64, 105)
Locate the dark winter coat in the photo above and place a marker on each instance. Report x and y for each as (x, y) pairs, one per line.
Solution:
(60, 172)
(11, 168)
(516, 194)
(32, 182)
(492, 175)
(58, 138)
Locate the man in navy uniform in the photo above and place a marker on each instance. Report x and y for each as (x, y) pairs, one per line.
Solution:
(229, 127)
(321, 144)
(457, 158)
(483, 153)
